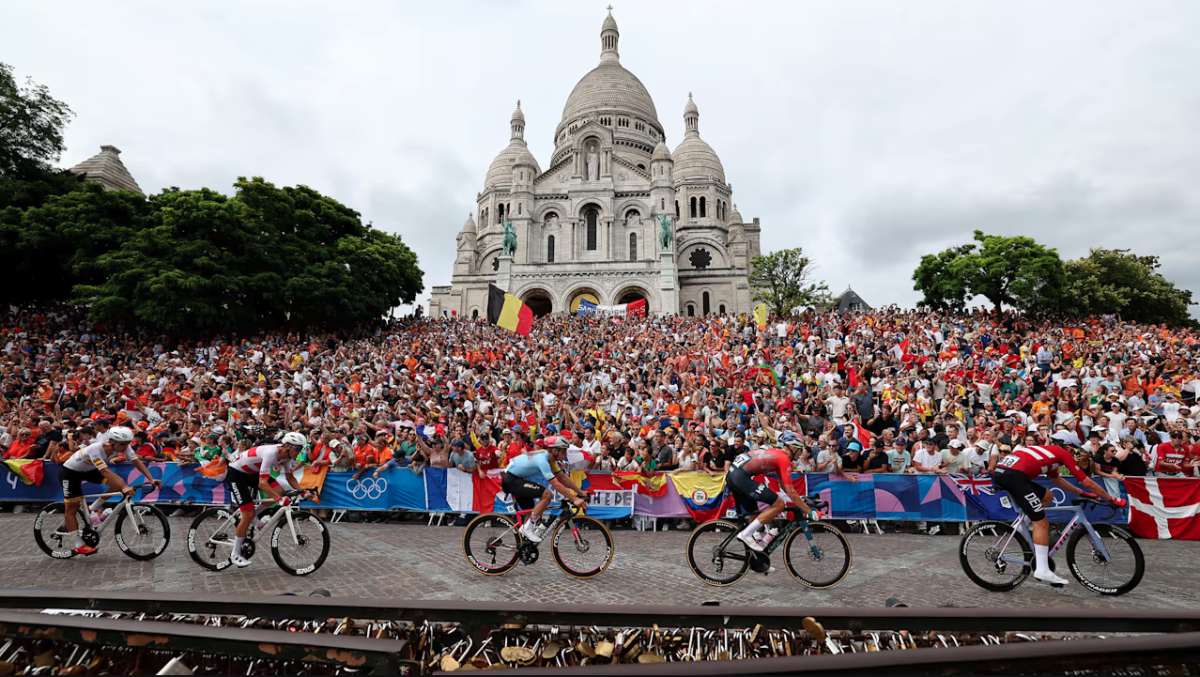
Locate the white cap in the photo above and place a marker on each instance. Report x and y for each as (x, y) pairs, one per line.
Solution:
(956, 444)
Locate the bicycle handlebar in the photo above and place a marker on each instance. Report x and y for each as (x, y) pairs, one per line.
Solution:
(1112, 509)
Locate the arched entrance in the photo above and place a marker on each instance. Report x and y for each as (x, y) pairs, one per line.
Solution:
(582, 295)
(630, 295)
(539, 302)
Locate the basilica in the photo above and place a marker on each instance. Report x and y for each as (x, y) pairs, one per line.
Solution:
(615, 216)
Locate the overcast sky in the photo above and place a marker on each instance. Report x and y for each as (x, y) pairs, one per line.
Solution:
(868, 133)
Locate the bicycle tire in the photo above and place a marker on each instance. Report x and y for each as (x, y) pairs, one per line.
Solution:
(57, 536)
(487, 521)
(198, 544)
(1116, 533)
(993, 531)
(805, 554)
(315, 530)
(586, 533)
(709, 552)
(151, 516)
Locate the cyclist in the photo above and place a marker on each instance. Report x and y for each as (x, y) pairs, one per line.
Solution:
(539, 463)
(90, 464)
(748, 494)
(251, 471)
(1015, 474)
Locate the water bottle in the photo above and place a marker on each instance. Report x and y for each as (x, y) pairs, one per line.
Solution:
(542, 526)
(769, 536)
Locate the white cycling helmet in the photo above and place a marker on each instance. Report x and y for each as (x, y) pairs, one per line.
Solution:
(294, 439)
(120, 434)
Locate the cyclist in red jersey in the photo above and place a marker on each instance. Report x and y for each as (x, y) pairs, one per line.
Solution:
(748, 493)
(1015, 474)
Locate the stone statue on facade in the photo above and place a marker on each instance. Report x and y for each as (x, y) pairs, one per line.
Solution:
(509, 243)
(593, 166)
(665, 236)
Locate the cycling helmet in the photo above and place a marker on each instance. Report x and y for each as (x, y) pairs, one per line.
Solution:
(294, 439)
(791, 440)
(557, 443)
(120, 434)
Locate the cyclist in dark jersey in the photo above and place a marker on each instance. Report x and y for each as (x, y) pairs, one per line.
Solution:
(748, 493)
(1015, 474)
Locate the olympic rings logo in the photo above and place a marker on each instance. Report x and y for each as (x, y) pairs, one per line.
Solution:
(369, 487)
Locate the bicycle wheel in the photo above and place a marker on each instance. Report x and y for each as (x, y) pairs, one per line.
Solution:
(820, 563)
(50, 531)
(712, 563)
(490, 544)
(144, 538)
(300, 543)
(1116, 575)
(210, 538)
(979, 553)
(582, 547)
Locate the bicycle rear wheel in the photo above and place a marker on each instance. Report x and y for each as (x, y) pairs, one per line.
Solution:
(820, 563)
(210, 538)
(1117, 574)
(50, 531)
(490, 544)
(979, 553)
(144, 538)
(300, 543)
(582, 547)
(712, 563)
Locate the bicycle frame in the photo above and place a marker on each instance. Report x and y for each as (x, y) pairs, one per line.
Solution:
(231, 522)
(1021, 523)
(564, 513)
(798, 521)
(126, 504)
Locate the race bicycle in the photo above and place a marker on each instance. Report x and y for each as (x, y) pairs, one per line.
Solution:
(141, 530)
(816, 554)
(998, 556)
(299, 539)
(582, 547)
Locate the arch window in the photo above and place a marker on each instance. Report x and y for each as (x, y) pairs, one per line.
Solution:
(721, 309)
(550, 249)
(693, 213)
(641, 166)
(475, 314)
(519, 207)
(633, 246)
(662, 203)
(592, 218)
(702, 210)
(677, 210)
(691, 310)
(500, 213)
(704, 301)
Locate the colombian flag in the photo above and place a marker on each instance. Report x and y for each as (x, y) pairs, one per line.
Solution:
(704, 495)
(507, 311)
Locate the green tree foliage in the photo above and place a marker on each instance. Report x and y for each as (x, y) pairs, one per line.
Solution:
(31, 125)
(784, 280)
(1008, 271)
(1115, 281)
(266, 257)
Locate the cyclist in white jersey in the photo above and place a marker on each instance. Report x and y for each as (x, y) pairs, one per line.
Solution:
(90, 464)
(251, 471)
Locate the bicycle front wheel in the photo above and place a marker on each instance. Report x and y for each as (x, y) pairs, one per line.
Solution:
(490, 544)
(210, 538)
(715, 554)
(300, 543)
(1116, 574)
(50, 531)
(821, 562)
(984, 551)
(582, 547)
(146, 535)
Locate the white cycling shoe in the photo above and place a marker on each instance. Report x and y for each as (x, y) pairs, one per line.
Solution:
(529, 530)
(1050, 578)
(239, 561)
(751, 542)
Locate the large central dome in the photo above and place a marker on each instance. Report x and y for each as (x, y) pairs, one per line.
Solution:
(608, 87)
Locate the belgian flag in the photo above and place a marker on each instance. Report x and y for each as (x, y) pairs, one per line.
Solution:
(507, 311)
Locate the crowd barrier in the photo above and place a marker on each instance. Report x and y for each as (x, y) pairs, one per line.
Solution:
(1160, 508)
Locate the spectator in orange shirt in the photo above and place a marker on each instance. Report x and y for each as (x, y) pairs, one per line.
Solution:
(21, 446)
(365, 456)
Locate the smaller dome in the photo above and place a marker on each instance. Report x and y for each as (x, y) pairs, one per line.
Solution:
(661, 152)
(735, 216)
(695, 159)
(690, 108)
(517, 114)
(610, 24)
(500, 171)
(526, 159)
(469, 226)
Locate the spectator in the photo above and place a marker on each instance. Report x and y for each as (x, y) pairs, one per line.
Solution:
(461, 457)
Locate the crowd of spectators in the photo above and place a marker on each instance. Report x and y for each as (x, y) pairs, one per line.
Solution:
(882, 391)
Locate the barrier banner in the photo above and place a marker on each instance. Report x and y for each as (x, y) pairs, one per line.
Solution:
(984, 501)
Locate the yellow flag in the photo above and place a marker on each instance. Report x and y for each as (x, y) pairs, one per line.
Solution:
(760, 315)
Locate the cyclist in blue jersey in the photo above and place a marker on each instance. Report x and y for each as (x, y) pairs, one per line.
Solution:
(518, 481)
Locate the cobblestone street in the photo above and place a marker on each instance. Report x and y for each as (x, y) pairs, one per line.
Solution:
(413, 561)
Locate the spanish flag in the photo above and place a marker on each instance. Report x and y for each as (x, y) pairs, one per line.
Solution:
(507, 311)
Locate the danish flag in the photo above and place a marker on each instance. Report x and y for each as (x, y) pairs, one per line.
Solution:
(1164, 507)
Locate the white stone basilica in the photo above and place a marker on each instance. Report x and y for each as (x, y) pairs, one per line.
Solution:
(588, 226)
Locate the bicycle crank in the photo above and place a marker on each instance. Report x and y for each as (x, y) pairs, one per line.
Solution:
(759, 563)
(528, 553)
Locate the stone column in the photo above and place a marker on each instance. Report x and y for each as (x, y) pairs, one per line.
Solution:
(668, 284)
(504, 273)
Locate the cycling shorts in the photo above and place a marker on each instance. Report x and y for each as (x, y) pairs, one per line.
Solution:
(524, 492)
(747, 493)
(1025, 494)
(72, 482)
(243, 488)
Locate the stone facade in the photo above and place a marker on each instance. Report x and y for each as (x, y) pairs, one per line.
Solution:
(589, 224)
(106, 169)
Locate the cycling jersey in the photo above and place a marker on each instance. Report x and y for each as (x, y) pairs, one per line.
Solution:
(261, 461)
(91, 457)
(529, 466)
(1037, 461)
(766, 462)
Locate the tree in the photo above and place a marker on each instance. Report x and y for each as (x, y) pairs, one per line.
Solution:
(31, 125)
(1115, 281)
(1012, 271)
(784, 280)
